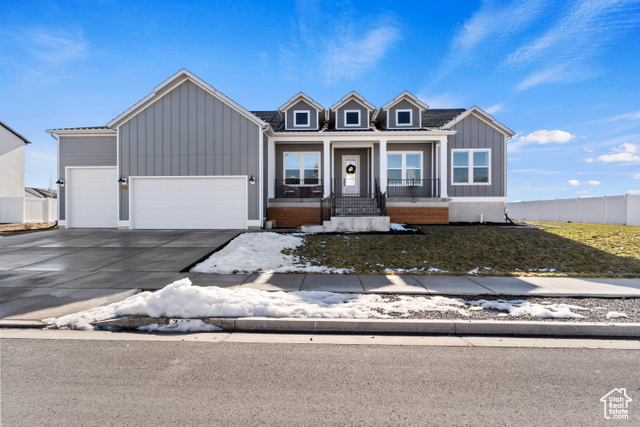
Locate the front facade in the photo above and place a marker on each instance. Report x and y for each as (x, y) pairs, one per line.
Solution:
(187, 156)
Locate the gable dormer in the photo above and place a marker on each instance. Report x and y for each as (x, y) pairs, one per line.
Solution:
(351, 112)
(402, 112)
(302, 113)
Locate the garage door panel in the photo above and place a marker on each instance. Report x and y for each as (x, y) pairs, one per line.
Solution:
(92, 198)
(188, 203)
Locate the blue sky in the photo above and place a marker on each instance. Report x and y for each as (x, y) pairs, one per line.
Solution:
(564, 75)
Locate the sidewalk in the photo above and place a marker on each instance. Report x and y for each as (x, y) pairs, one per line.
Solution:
(25, 300)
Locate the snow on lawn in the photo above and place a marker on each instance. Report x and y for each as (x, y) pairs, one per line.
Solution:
(182, 300)
(257, 252)
(400, 227)
(521, 308)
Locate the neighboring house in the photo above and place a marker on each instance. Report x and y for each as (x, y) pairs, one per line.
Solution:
(40, 193)
(187, 156)
(11, 175)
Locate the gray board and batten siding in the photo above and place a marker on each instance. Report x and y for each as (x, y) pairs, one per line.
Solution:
(352, 105)
(84, 151)
(471, 133)
(302, 105)
(416, 118)
(189, 132)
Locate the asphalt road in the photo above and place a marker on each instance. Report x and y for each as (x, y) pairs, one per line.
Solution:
(76, 382)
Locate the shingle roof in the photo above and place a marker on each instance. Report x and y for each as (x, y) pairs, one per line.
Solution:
(434, 117)
(431, 118)
(40, 192)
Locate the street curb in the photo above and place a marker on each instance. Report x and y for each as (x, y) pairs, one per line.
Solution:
(398, 326)
(22, 324)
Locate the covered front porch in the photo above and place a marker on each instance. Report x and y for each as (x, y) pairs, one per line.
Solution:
(312, 181)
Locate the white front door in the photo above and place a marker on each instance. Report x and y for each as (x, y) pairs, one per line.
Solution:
(350, 178)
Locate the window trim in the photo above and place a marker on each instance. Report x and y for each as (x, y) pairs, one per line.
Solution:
(404, 110)
(403, 169)
(470, 167)
(301, 168)
(295, 114)
(345, 124)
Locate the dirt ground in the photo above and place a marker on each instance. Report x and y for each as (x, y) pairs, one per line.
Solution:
(13, 229)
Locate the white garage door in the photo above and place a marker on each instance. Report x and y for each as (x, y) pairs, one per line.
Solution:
(92, 197)
(188, 203)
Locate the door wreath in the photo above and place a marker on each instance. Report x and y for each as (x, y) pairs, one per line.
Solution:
(351, 169)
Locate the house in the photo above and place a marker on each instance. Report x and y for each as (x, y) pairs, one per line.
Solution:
(40, 193)
(12, 146)
(187, 156)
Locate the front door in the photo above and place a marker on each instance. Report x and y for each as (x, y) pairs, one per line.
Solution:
(350, 174)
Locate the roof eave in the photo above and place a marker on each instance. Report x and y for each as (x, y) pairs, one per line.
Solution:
(25, 140)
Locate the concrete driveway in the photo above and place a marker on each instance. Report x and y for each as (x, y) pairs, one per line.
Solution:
(58, 271)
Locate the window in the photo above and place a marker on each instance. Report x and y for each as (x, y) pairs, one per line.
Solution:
(404, 166)
(470, 167)
(301, 168)
(404, 117)
(352, 117)
(301, 118)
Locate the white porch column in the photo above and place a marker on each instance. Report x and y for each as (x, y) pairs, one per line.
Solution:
(326, 167)
(443, 167)
(383, 165)
(271, 166)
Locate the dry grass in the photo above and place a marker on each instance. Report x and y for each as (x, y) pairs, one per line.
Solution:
(580, 250)
(12, 229)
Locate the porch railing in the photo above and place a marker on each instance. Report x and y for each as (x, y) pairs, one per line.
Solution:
(305, 188)
(414, 188)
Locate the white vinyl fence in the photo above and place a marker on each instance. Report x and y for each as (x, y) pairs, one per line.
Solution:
(21, 210)
(605, 210)
(40, 210)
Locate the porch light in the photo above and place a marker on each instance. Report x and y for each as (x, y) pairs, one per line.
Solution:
(252, 180)
(122, 180)
(60, 182)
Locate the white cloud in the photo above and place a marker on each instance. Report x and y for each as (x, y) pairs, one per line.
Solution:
(636, 176)
(627, 152)
(350, 55)
(593, 182)
(335, 44)
(589, 160)
(442, 100)
(494, 108)
(634, 115)
(575, 35)
(634, 191)
(582, 191)
(574, 182)
(548, 136)
(55, 45)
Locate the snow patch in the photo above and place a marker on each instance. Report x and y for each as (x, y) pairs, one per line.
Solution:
(259, 252)
(615, 315)
(400, 227)
(521, 308)
(181, 325)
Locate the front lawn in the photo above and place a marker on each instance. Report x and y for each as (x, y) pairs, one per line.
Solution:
(565, 249)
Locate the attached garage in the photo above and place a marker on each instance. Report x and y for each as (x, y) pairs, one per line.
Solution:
(176, 202)
(92, 197)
